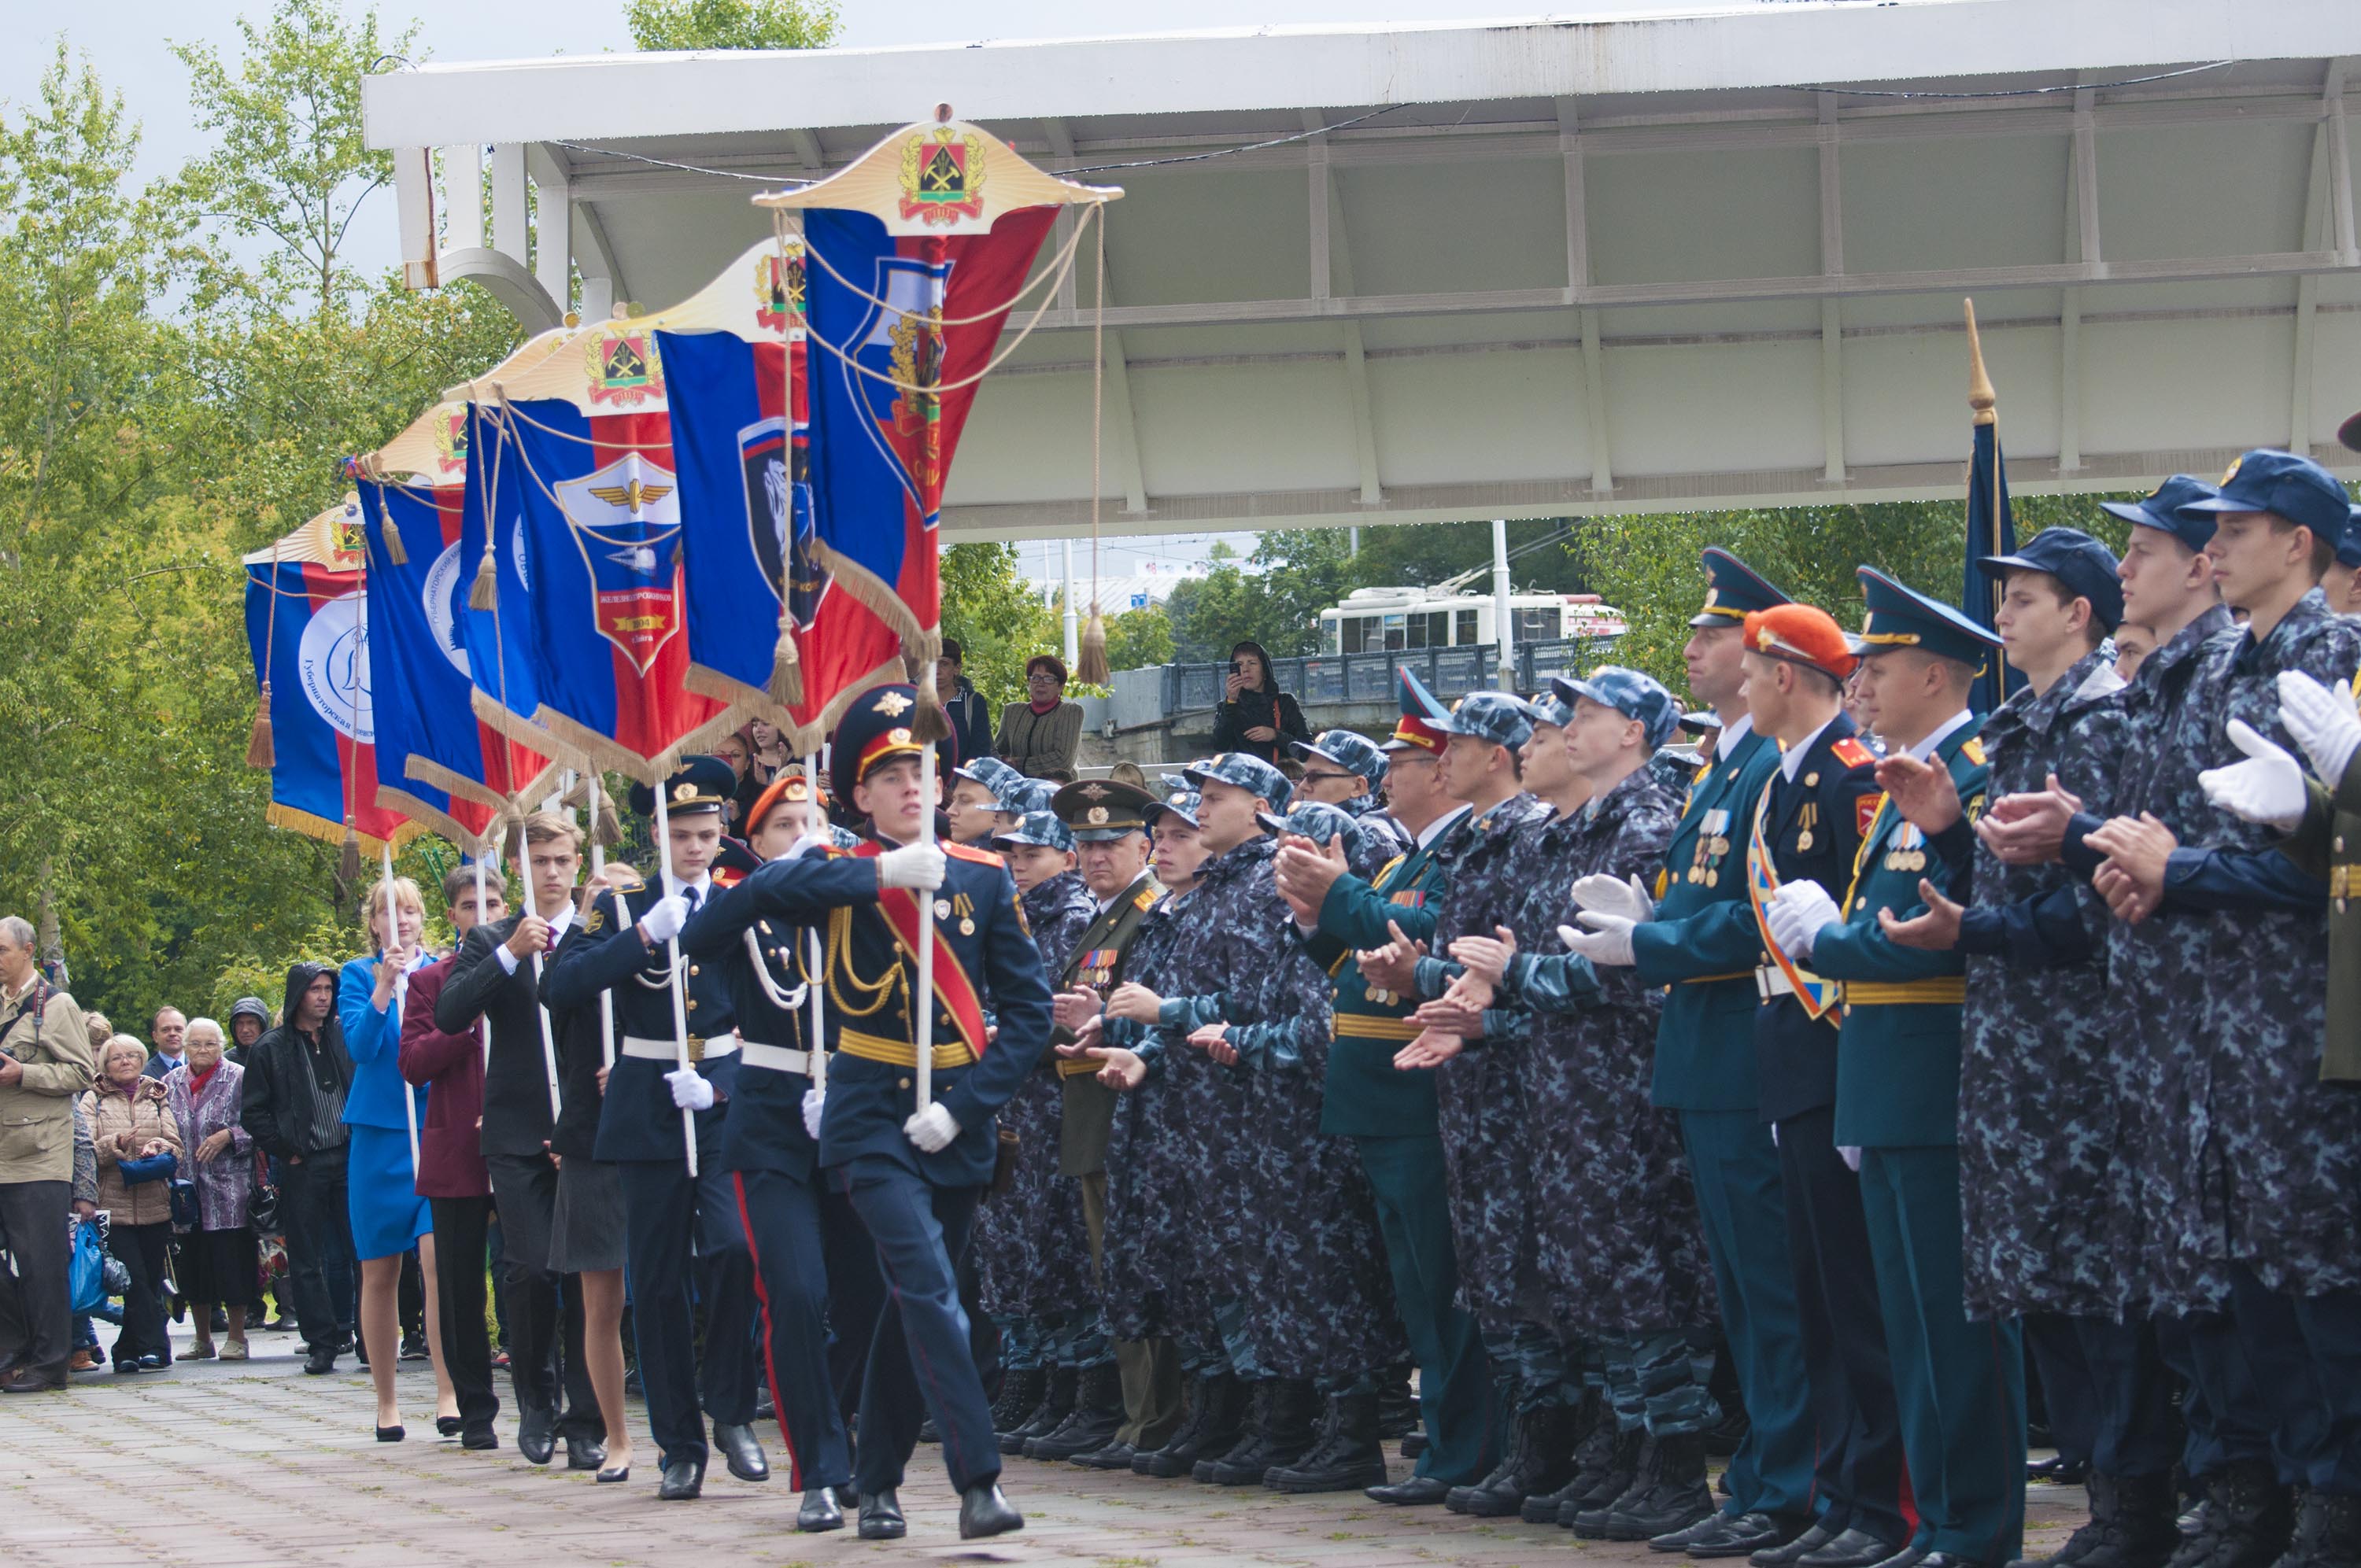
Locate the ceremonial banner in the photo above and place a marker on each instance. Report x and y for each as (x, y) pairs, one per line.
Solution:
(504, 665)
(1991, 529)
(306, 625)
(913, 258)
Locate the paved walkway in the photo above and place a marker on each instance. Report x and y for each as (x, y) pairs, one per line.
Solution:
(255, 1465)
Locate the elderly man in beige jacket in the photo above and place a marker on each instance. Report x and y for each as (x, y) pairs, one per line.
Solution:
(45, 1062)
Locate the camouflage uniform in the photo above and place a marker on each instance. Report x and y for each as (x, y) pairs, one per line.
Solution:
(1151, 1187)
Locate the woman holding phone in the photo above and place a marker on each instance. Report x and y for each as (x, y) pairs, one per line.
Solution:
(1255, 715)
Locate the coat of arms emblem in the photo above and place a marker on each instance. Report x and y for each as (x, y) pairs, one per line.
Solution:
(943, 176)
(623, 367)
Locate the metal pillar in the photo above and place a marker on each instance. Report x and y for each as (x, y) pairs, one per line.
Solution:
(1073, 634)
(1503, 622)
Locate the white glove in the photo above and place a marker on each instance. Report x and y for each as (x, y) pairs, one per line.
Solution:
(1851, 1153)
(1605, 895)
(2267, 787)
(912, 865)
(689, 1090)
(931, 1129)
(664, 917)
(2322, 721)
(1798, 912)
(813, 1099)
(1608, 941)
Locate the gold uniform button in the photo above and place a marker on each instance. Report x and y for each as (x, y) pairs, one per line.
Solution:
(692, 1004)
(1848, 1010)
(694, 970)
(901, 1083)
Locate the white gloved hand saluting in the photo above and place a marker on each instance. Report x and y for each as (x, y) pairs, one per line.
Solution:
(2322, 721)
(912, 865)
(814, 1098)
(2266, 788)
(665, 919)
(689, 1090)
(1798, 913)
(1606, 895)
(931, 1130)
(1608, 941)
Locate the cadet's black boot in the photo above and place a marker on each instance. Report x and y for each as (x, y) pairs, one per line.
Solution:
(2248, 1524)
(1671, 1493)
(1541, 1460)
(1057, 1404)
(2138, 1529)
(1284, 1435)
(1247, 1435)
(2093, 1534)
(1397, 1406)
(1097, 1412)
(1020, 1395)
(1214, 1406)
(1512, 1437)
(1349, 1455)
(1593, 1445)
(2327, 1531)
(1586, 1515)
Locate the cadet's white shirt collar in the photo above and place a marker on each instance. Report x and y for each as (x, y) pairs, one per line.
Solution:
(1793, 758)
(1942, 732)
(1441, 825)
(1731, 736)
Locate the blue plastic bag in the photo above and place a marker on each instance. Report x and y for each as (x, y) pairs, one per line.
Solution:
(86, 1275)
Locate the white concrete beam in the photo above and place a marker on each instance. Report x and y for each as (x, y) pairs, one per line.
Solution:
(2317, 220)
(1831, 312)
(2340, 166)
(1337, 267)
(511, 212)
(413, 206)
(2070, 339)
(2086, 184)
(1118, 426)
(1578, 213)
(1594, 392)
(463, 197)
(552, 226)
(602, 276)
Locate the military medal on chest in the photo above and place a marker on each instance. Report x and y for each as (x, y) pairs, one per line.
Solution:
(1712, 848)
(1810, 819)
(1906, 850)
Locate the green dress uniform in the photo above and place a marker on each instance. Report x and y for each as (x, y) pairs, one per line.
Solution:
(2328, 846)
(1960, 1385)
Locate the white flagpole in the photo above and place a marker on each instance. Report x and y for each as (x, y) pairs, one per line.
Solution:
(924, 1003)
(819, 949)
(598, 864)
(482, 885)
(548, 1040)
(672, 959)
(400, 986)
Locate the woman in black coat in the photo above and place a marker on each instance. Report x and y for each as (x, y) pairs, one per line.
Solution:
(1255, 715)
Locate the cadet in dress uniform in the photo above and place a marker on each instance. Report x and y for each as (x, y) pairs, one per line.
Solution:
(1698, 939)
(621, 950)
(914, 1175)
(1108, 819)
(812, 1260)
(1959, 1384)
(1391, 1115)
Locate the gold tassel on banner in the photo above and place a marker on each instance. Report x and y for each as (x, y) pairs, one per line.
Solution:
(485, 595)
(605, 828)
(930, 723)
(786, 685)
(348, 859)
(261, 747)
(1091, 662)
(396, 553)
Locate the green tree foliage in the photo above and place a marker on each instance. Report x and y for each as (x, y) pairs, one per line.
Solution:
(731, 24)
(998, 621)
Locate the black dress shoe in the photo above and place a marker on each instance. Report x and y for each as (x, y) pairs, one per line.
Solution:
(585, 1453)
(881, 1517)
(2059, 1470)
(321, 1360)
(1694, 1534)
(609, 1477)
(1908, 1556)
(477, 1438)
(1418, 1492)
(1856, 1549)
(1947, 1560)
(983, 1511)
(447, 1426)
(739, 1447)
(1738, 1535)
(537, 1435)
(1116, 1455)
(819, 1511)
(1780, 1556)
(36, 1379)
(683, 1479)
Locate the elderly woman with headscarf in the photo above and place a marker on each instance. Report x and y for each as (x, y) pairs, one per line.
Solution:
(138, 1147)
(217, 1260)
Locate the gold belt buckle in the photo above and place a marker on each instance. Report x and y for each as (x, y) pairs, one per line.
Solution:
(696, 1049)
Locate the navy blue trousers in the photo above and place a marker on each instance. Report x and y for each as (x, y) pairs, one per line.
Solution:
(786, 1234)
(2306, 1355)
(2108, 1391)
(665, 1211)
(919, 1364)
(2226, 1418)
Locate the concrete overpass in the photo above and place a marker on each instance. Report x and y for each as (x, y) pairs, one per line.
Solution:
(1556, 265)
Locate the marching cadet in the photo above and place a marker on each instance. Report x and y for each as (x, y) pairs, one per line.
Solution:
(2254, 1206)
(1108, 819)
(2037, 1100)
(1806, 825)
(1616, 1239)
(1698, 938)
(1031, 1248)
(621, 951)
(1391, 1115)
(812, 1261)
(1960, 1385)
(914, 1175)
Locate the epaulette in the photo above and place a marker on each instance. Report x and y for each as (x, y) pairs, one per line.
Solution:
(622, 880)
(1973, 751)
(963, 852)
(1853, 755)
(1144, 899)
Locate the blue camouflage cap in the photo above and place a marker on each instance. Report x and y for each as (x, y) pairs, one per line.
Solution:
(989, 772)
(1629, 692)
(1548, 707)
(1495, 717)
(1180, 803)
(1020, 795)
(2348, 544)
(2162, 510)
(1902, 617)
(2284, 485)
(1353, 753)
(1247, 773)
(1316, 820)
(1040, 829)
(2086, 566)
(1701, 721)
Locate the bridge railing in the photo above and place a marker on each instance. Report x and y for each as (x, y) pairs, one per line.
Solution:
(1166, 691)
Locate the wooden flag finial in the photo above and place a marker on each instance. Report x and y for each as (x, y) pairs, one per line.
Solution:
(1980, 397)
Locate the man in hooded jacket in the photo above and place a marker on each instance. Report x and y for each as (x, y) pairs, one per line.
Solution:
(292, 1103)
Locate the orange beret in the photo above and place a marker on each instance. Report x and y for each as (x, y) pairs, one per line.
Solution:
(1802, 634)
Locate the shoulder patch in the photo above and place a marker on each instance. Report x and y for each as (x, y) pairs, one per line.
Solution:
(596, 921)
(1853, 755)
(624, 881)
(1973, 751)
(1865, 811)
(968, 853)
